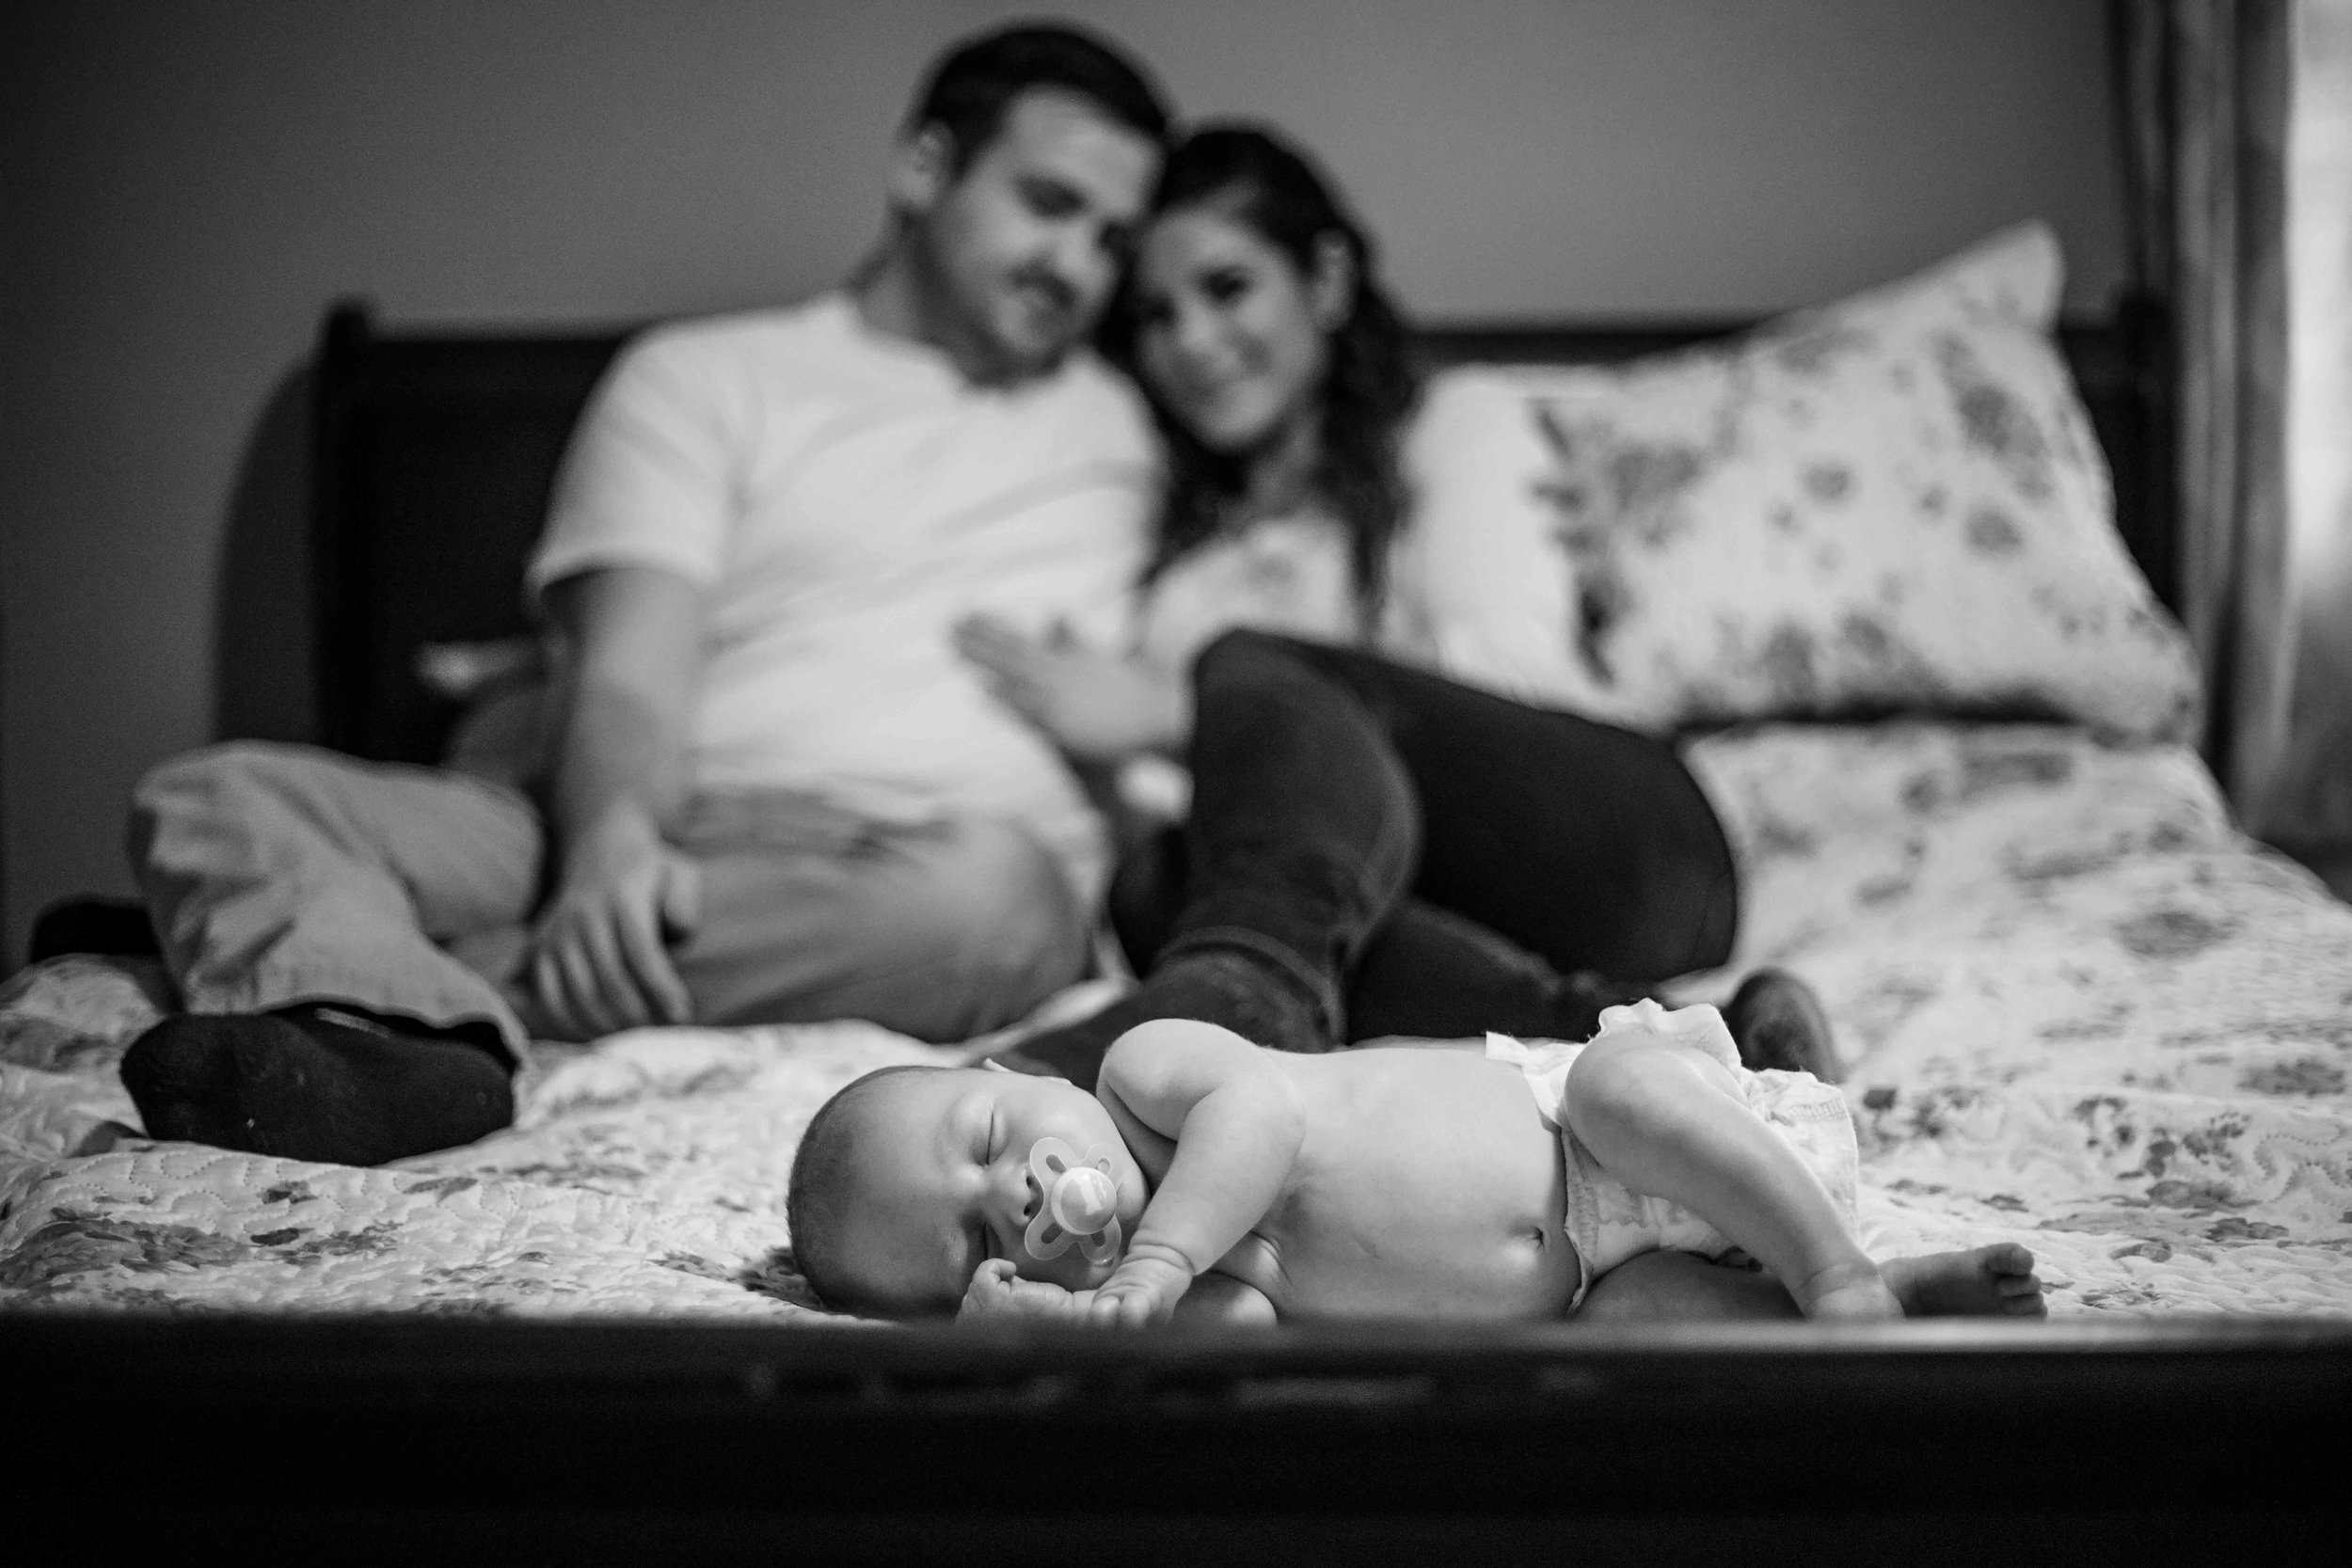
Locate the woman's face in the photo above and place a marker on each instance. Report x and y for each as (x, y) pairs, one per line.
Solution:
(1231, 335)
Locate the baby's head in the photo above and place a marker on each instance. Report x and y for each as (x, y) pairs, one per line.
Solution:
(911, 1177)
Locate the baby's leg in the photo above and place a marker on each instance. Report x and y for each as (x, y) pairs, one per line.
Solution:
(1996, 1281)
(1682, 1287)
(1670, 1121)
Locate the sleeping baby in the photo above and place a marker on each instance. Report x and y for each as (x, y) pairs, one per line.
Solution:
(1208, 1177)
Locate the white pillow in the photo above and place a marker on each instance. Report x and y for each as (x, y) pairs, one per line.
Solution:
(1894, 503)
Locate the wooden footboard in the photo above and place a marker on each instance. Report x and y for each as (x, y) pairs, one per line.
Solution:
(2155, 1440)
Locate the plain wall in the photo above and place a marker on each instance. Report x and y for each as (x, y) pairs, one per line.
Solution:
(184, 188)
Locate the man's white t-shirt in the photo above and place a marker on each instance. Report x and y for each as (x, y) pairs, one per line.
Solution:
(843, 498)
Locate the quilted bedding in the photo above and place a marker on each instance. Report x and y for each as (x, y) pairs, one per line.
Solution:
(2082, 1013)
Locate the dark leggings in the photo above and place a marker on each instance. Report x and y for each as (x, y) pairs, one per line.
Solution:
(1430, 859)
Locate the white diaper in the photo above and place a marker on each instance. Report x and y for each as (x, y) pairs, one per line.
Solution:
(1607, 1221)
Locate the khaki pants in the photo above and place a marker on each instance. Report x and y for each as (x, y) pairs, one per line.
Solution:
(283, 873)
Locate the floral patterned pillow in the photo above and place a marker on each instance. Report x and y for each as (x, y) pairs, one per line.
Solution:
(1894, 503)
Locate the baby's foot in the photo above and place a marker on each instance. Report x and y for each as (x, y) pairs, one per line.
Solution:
(1854, 1293)
(1996, 1281)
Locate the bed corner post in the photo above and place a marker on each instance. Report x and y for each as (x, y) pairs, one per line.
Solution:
(337, 639)
(2144, 324)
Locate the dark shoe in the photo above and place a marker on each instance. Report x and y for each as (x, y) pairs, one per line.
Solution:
(1780, 1023)
(1226, 986)
(314, 1083)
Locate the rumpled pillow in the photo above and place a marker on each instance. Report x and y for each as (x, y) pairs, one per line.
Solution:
(1894, 503)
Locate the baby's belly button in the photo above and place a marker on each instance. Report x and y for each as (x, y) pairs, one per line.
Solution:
(1536, 1263)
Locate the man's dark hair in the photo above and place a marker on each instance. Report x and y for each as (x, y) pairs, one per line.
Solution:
(968, 91)
(813, 1199)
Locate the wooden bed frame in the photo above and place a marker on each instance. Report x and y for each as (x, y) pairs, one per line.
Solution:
(2168, 1440)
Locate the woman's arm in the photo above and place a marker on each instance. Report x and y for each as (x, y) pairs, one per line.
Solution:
(1237, 1124)
(1098, 708)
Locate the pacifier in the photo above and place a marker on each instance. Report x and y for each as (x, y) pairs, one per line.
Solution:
(1079, 1202)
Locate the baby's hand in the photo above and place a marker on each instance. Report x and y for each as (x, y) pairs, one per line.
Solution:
(997, 1294)
(1139, 1293)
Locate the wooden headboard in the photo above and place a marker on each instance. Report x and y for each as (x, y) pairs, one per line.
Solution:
(436, 452)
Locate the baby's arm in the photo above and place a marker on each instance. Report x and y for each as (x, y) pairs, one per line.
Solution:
(1218, 1298)
(1236, 1123)
(1668, 1120)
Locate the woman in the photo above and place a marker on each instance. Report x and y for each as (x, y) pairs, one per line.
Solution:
(1371, 850)
(1280, 376)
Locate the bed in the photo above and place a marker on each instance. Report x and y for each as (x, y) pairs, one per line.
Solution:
(2083, 1012)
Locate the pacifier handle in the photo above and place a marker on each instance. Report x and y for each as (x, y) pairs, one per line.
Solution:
(1085, 1199)
(1078, 1203)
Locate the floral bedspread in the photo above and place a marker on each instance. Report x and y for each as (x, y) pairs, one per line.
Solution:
(2080, 1012)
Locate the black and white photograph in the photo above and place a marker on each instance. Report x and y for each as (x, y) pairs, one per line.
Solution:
(1384, 781)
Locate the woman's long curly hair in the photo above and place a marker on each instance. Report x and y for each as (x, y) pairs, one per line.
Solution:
(1370, 384)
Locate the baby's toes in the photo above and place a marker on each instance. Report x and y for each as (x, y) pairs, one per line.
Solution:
(2008, 1258)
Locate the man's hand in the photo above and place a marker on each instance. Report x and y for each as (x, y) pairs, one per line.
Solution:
(631, 649)
(1093, 706)
(998, 1294)
(600, 960)
(1140, 1291)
